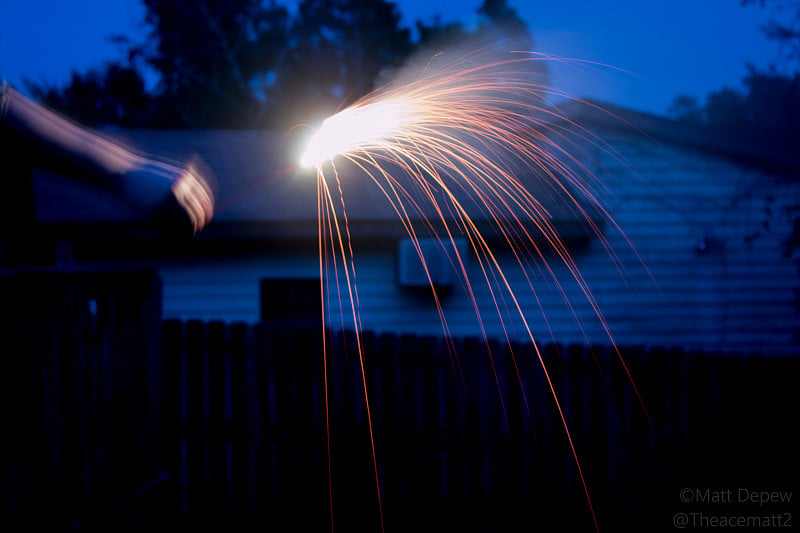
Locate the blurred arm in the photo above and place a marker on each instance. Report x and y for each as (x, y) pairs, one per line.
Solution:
(67, 148)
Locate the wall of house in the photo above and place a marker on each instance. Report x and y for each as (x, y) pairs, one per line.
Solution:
(692, 257)
(711, 232)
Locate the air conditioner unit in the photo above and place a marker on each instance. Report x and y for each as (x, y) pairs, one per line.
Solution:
(438, 255)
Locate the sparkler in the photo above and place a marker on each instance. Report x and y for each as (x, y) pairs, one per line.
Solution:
(449, 145)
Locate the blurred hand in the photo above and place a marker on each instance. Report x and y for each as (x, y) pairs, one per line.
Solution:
(169, 193)
(194, 193)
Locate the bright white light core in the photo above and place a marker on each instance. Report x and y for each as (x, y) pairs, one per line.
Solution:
(365, 127)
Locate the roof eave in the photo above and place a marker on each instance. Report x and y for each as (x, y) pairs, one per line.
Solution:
(736, 145)
(104, 236)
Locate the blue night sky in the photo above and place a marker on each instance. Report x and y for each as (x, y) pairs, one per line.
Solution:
(658, 48)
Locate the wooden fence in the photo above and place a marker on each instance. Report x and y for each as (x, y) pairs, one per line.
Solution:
(466, 434)
(79, 369)
(228, 422)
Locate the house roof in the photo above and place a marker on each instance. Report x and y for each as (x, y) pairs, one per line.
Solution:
(738, 145)
(261, 190)
(694, 256)
(263, 193)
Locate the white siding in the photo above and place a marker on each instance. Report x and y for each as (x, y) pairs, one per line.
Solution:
(654, 289)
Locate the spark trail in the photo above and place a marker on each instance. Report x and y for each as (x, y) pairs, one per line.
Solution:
(461, 148)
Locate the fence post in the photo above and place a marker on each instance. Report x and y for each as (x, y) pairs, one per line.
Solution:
(218, 427)
(241, 419)
(173, 417)
(389, 361)
(197, 417)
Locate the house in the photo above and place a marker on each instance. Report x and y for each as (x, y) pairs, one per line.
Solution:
(681, 244)
(685, 241)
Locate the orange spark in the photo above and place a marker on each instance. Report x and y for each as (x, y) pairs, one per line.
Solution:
(449, 146)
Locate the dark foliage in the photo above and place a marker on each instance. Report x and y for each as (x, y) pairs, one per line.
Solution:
(252, 63)
(767, 108)
(113, 94)
(784, 25)
(337, 49)
(215, 58)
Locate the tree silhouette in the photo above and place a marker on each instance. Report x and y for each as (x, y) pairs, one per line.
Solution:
(439, 33)
(784, 26)
(500, 22)
(113, 94)
(215, 58)
(337, 49)
(249, 63)
(768, 106)
(767, 109)
(687, 109)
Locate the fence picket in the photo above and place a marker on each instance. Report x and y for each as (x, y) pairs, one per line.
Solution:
(460, 425)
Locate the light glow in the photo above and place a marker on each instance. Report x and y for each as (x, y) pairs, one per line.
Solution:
(359, 128)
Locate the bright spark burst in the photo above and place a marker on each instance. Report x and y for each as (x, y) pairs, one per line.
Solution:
(359, 128)
(458, 139)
